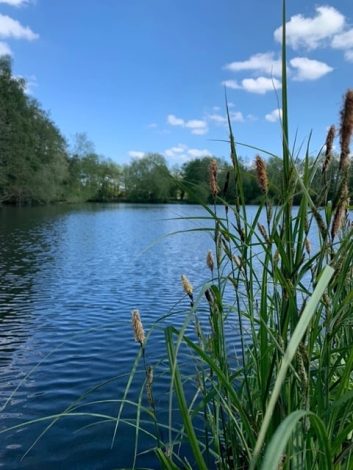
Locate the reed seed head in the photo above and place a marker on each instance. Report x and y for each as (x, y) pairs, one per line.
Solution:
(213, 178)
(138, 327)
(329, 145)
(341, 211)
(237, 261)
(186, 285)
(346, 129)
(263, 233)
(209, 260)
(261, 174)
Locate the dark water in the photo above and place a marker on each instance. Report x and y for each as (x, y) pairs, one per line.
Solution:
(69, 277)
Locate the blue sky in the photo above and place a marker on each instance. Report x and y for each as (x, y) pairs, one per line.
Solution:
(149, 75)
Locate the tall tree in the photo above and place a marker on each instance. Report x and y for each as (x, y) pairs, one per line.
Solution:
(33, 161)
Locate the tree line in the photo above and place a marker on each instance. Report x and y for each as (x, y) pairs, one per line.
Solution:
(37, 166)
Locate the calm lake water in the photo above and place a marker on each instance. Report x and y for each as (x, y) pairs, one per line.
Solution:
(69, 277)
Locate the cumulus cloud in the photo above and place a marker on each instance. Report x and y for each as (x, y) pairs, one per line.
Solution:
(4, 49)
(182, 153)
(15, 3)
(174, 121)
(261, 62)
(309, 69)
(197, 126)
(10, 28)
(343, 40)
(274, 115)
(219, 119)
(136, 154)
(260, 85)
(312, 32)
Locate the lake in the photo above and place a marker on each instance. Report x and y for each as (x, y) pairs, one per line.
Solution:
(69, 278)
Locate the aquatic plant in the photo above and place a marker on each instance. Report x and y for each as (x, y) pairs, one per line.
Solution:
(284, 397)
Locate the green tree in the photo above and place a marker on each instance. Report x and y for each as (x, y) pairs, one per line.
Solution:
(148, 179)
(33, 164)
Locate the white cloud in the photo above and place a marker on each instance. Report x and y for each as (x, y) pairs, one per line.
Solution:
(217, 118)
(175, 151)
(136, 154)
(197, 126)
(152, 125)
(15, 3)
(262, 62)
(182, 153)
(260, 85)
(274, 115)
(309, 69)
(236, 116)
(348, 55)
(10, 28)
(312, 32)
(4, 49)
(174, 121)
(233, 84)
(343, 40)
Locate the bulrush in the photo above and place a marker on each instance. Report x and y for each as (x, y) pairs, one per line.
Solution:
(346, 129)
(329, 145)
(138, 327)
(213, 178)
(209, 260)
(261, 174)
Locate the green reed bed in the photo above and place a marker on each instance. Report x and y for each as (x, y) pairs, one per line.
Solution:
(287, 400)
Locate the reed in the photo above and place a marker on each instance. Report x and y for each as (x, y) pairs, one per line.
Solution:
(283, 398)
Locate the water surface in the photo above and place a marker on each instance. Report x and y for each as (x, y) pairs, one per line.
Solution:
(69, 277)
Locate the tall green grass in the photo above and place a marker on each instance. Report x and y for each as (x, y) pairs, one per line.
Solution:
(287, 400)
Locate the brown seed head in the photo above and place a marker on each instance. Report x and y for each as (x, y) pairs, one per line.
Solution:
(237, 261)
(213, 178)
(263, 232)
(138, 327)
(186, 285)
(341, 211)
(261, 174)
(346, 129)
(328, 144)
(209, 260)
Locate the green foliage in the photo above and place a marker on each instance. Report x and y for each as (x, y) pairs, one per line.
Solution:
(33, 152)
(148, 179)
